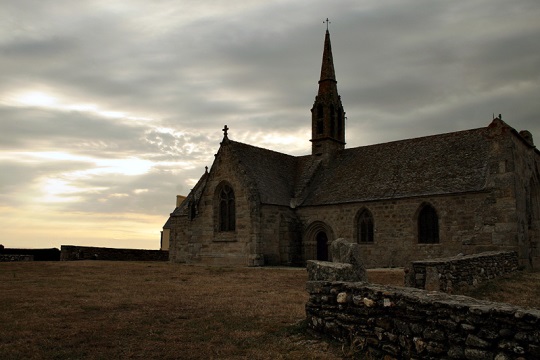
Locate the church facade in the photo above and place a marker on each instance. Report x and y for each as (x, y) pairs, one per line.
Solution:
(457, 193)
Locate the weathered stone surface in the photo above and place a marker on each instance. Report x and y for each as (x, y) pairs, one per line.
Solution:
(421, 324)
(449, 274)
(350, 253)
(329, 271)
(476, 354)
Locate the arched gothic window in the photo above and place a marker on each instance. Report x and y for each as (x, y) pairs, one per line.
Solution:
(428, 226)
(332, 121)
(320, 119)
(227, 215)
(365, 227)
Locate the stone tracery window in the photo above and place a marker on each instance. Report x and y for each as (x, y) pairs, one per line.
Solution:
(365, 227)
(227, 210)
(428, 226)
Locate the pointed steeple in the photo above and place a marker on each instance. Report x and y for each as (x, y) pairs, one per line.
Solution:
(327, 115)
(328, 74)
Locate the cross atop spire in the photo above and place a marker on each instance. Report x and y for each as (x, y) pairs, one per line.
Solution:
(327, 22)
(225, 130)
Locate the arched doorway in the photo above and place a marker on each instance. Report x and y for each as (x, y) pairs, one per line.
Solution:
(316, 240)
(322, 246)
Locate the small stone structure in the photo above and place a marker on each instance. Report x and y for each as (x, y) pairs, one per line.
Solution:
(405, 323)
(70, 252)
(449, 274)
(346, 264)
(330, 271)
(350, 253)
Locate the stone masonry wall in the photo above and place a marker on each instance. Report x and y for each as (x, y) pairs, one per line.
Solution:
(199, 240)
(406, 323)
(70, 252)
(468, 224)
(449, 274)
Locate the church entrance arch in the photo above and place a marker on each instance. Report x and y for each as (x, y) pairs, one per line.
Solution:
(317, 239)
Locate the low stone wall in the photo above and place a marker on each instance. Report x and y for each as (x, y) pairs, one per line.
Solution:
(71, 252)
(9, 258)
(449, 274)
(404, 323)
(51, 254)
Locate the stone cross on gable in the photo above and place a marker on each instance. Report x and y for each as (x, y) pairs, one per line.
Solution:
(225, 130)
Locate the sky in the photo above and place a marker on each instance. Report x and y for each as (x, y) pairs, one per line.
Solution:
(109, 109)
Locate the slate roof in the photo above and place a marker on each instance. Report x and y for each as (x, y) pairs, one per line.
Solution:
(433, 165)
(272, 171)
(193, 197)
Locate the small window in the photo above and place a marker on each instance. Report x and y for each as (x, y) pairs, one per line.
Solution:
(428, 226)
(365, 227)
(227, 216)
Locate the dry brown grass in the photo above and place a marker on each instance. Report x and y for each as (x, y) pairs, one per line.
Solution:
(118, 310)
(520, 288)
(107, 310)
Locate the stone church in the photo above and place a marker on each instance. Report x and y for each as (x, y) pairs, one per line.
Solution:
(457, 193)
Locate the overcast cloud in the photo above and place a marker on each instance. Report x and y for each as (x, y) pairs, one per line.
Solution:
(108, 109)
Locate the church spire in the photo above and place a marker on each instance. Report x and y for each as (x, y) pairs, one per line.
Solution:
(328, 74)
(327, 115)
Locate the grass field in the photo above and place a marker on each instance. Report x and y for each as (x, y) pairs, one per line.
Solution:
(119, 310)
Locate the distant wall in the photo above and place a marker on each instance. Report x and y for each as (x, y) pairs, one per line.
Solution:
(404, 323)
(449, 274)
(52, 254)
(71, 252)
(9, 258)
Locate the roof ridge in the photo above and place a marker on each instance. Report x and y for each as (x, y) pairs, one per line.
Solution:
(261, 148)
(418, 138)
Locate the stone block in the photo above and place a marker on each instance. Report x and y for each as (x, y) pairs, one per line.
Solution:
(329, 271)
(349, 253)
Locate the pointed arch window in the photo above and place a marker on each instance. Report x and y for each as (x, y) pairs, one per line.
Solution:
(227, 210)
(320, 119)
(428, 225)
(340, 122)
(365, 227)
(332, 121)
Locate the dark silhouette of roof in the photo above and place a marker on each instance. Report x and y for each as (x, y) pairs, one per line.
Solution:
(440, 164)
(433, 165)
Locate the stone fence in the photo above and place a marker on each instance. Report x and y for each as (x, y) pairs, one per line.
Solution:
(449, 274)
(9, 257)
(71, 252)
(50, 254)
(404, 323)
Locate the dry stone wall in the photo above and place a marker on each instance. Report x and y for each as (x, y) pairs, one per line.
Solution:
(449, 274)
(406, 323)
(70, 252)
(9, 258)
(51, 254)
